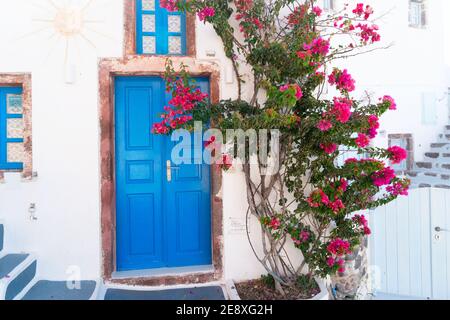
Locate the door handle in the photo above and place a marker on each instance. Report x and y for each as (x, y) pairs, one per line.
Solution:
(169, 169)
(439, 229)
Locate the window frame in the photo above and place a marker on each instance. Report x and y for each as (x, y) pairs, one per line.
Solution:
(5, 91)
(417, 14)
(331, 6)
(161, 33)
(130, 32)
(18, 82)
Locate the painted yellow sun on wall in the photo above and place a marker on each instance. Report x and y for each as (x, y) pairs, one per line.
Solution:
(69, 21)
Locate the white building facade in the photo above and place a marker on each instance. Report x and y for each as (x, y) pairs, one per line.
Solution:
(62, 206)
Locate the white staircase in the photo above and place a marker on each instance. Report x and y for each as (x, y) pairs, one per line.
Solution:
(434, 171)
(17, 271)
(19, 280)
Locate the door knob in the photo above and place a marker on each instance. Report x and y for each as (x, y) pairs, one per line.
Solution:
(439, 229)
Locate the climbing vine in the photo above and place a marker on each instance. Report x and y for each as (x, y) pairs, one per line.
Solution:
(290, 47)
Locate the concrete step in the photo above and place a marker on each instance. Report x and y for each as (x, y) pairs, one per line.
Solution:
(17, 271)
(61, 290)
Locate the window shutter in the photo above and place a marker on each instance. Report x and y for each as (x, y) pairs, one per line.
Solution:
(159, 31)
(11, 128)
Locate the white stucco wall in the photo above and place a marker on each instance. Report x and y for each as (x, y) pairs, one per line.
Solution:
(66, 131)
(65, 137)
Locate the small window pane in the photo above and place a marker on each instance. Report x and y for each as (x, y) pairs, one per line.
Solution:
(14, 128)
(14, 104)
(148, 23)
(148, 5)
(149, 45)
(174, 23)
(328, 4)
(174, 45)
(16, 152)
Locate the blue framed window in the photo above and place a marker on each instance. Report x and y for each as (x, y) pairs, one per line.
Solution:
(11, 128)
(159, 31)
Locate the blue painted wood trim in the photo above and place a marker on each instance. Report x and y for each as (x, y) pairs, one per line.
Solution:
(4, 116)
(162, 34)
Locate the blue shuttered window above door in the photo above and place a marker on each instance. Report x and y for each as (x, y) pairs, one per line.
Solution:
(11, 128)
(159, 31)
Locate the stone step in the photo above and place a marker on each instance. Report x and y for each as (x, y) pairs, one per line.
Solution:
(429, 173)
(17, 271)
(437, 156)
(444, 137)
(440, 145)
(433, 165)
(58, 290)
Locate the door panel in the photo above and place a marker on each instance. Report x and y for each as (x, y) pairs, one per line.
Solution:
(412, 256)
(189, 206)
(160, 223)
(138, 180)
(440, 213)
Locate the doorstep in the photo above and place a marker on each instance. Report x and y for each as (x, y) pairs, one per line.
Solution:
(200, 293)
(166, 276)
(162, 272)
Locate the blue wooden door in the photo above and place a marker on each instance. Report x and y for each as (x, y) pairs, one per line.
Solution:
(160, 223)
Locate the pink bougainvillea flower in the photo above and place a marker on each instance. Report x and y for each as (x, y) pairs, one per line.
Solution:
(331, 262)
(374, 122)
(304, 236)
(360, 10)
(210, 141)
(383, 177)
(298, 91)
(296, 87)
(318, 198)
(397, 154)
(343, 185)
(339, 247)
(342, 79)
(336, 206)
(304, 54)
(398, 189)
(226, 162)
(275, 224)
(362, 141)
(318, 46)
(324, 125)
(390, 101)
(361, 220)
(342, 109)
(170, 5)
(284, 88)
(206, 13)
(317, 11)
(367, 231)
(368, 33)
(328, 147)
(351, 160)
